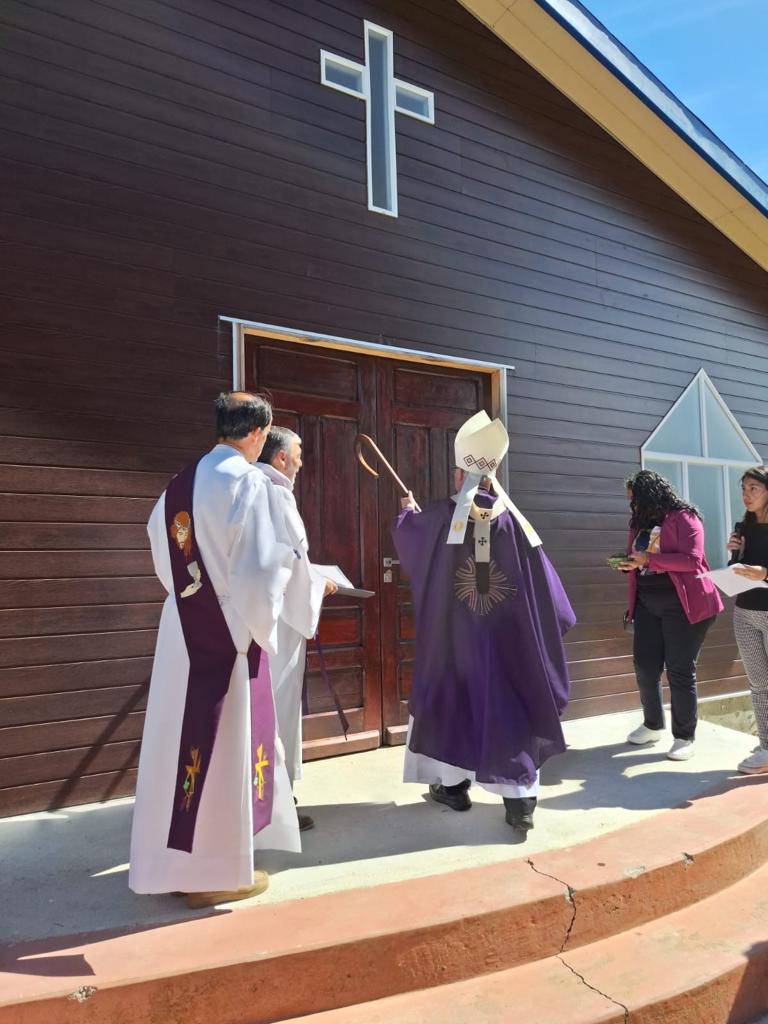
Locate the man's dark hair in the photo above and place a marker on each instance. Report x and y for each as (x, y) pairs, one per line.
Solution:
(239, 412)
(278, 440)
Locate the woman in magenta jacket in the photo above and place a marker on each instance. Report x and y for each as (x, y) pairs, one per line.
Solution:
(670, 606)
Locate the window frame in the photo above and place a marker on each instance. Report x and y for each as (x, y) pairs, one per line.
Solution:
(702, 381)
(392, 86)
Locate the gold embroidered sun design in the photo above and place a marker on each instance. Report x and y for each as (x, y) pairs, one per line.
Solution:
(499, 588)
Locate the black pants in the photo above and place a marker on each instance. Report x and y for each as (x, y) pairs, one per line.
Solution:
(665, 637)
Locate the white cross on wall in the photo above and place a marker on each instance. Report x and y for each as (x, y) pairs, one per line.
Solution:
(384, 95)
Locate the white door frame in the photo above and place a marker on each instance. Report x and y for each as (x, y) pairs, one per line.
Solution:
(496, 371)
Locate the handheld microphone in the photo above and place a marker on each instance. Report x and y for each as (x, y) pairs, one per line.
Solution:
(738, 529)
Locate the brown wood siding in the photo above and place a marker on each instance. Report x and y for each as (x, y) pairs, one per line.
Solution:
(166, 162)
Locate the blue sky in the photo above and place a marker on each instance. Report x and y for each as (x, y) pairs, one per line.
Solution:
(712, 54)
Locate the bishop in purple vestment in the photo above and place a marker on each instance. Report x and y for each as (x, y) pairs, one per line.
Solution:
(490, 680)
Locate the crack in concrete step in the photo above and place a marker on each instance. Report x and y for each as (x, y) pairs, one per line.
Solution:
(600, 992)
(570, 895)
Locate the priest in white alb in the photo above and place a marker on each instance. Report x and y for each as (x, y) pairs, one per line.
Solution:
(212, 783)
(280, 461)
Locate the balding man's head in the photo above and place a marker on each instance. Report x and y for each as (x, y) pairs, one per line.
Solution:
(239, 413)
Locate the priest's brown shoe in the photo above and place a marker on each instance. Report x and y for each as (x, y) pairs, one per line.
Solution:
(198, 900)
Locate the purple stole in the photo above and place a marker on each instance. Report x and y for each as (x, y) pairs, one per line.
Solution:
(212, 654)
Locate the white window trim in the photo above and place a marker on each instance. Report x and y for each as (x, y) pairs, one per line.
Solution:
(702, 381)
(392, 86)
(389, 39)
(666, 457)
(423, 94)
(497, 371)
(325, 57)
(685, 460)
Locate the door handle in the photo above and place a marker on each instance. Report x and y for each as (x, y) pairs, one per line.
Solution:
(389, 562)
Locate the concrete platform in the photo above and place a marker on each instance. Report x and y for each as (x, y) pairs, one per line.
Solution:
(460, 936)
(370, 829)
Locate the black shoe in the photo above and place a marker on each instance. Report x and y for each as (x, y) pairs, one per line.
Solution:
(455, 797)
(521, 823)
(305, 822)
(519, 812)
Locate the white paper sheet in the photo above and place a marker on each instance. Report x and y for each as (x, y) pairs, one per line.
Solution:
(333, 572)
(731, 584)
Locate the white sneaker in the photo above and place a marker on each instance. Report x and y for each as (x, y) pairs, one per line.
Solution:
(642, 735)
(756, 763)
(681, 750)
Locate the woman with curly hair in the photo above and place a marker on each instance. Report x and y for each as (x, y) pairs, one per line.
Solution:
(671, 607)
(749, 544)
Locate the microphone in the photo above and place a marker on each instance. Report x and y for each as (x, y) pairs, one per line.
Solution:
(738, 529)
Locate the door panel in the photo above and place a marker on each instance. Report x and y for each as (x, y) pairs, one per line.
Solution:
(413, 411)
(422, 409)
(328, 398)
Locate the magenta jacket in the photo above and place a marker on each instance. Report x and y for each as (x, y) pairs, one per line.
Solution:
(681, 556)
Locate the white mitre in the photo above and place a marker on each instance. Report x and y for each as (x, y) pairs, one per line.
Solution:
(480, 445)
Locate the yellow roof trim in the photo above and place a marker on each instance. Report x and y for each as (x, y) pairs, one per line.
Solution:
(544, 44)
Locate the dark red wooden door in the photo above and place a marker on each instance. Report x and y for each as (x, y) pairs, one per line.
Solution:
(328, 396)
(420, 409)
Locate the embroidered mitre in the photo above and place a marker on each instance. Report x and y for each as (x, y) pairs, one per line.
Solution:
(480, 445)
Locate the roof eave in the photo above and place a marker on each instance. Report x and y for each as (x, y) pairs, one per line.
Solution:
(584, 62)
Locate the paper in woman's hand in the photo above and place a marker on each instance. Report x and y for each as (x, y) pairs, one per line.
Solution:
(729, 582)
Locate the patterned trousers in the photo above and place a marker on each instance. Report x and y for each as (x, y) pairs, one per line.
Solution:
(751, 628)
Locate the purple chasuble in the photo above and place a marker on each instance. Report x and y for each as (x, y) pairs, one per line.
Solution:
(212, 655)
(490, 679)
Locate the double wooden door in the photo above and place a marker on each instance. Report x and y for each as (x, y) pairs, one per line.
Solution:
(329, 396)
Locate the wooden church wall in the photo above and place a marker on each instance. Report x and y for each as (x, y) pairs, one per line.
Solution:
(165, 161)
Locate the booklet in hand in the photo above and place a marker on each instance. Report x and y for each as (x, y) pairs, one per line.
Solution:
(346, 587)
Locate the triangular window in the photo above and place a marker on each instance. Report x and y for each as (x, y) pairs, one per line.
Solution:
(725, 438)
(679, 433)
(701, 449)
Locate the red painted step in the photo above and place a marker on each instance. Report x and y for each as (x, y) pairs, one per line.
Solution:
(269, 963)
(706, 964)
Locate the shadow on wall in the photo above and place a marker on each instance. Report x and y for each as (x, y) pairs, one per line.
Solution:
(62, 796)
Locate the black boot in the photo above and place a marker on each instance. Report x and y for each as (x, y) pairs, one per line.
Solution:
(305, 822)
(519, 811)
(455, 797)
